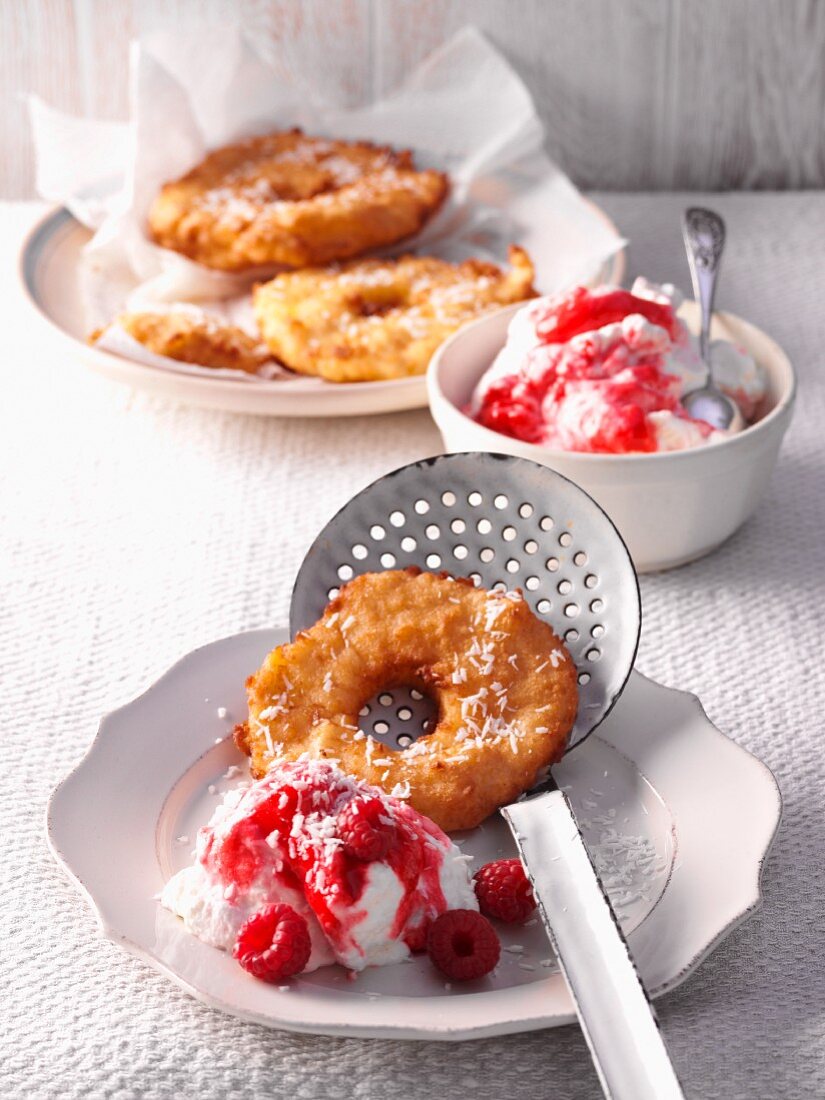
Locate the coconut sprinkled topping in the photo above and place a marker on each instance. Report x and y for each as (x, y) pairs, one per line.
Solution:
(492, 611)
(279, 706)
(418, 748)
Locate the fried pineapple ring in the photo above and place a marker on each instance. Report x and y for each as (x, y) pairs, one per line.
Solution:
(504, 684)
(195, 338)
(294, 200)
(376, 319)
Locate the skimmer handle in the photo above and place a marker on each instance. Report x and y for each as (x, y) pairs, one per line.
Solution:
(615, 1014)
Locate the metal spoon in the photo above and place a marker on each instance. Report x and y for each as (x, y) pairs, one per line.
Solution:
(704, 233)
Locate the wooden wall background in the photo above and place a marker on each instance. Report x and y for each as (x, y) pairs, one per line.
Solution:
(635, 94)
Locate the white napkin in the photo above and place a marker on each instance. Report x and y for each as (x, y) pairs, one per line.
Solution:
(464, 110)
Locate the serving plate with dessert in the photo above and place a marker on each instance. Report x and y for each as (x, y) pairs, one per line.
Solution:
(313, 277)
(324, 892)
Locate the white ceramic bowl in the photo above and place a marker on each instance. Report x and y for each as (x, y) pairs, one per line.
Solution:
(670, 508)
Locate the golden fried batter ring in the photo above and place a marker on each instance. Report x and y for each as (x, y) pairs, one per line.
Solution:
(194, 338)
(294, 200)
(375, 319)
(504, 684)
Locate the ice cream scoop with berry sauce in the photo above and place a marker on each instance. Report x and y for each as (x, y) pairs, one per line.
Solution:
(604, 371)
(365, 871)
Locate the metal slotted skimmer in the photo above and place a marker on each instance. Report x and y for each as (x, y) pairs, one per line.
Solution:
(509, 523)
(506, 523)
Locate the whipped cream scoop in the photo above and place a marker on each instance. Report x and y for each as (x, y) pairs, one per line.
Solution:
(606, 371)
(276, 841)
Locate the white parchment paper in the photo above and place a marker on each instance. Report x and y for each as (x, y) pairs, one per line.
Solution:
(464, 110)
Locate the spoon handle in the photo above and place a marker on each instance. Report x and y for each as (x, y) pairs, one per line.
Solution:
(704, 233)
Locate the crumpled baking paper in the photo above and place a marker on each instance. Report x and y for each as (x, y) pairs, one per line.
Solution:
(464, 110)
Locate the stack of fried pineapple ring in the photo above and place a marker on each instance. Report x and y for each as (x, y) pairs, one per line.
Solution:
(503, 682)
(294, 200)
(305, 213)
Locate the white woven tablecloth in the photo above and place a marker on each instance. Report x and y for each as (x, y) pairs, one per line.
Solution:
(134, 530)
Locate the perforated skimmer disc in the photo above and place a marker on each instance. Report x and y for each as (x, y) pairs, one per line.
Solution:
(506, 523)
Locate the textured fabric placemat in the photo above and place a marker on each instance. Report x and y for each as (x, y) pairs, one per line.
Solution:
(134, 530)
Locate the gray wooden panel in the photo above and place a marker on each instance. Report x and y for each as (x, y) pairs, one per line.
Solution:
(38, 53)
(579, 58)
(635, 94)
(649, 94)
(747, 95)
(327, 40)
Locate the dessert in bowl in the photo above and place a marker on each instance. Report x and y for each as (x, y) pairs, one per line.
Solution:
(590, 383)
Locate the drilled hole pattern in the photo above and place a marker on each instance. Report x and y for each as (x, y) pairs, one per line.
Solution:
(397, 716)
(505, 525)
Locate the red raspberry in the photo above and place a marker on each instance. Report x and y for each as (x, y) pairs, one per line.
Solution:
(274, 943)
(463, 944)
(503, 891)
(366, 829)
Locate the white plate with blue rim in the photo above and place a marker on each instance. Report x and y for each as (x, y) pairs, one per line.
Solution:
(678, 817)
(51, 273)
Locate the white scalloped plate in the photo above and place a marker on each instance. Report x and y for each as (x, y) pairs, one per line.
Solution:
(703, 809)
(50, 264)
